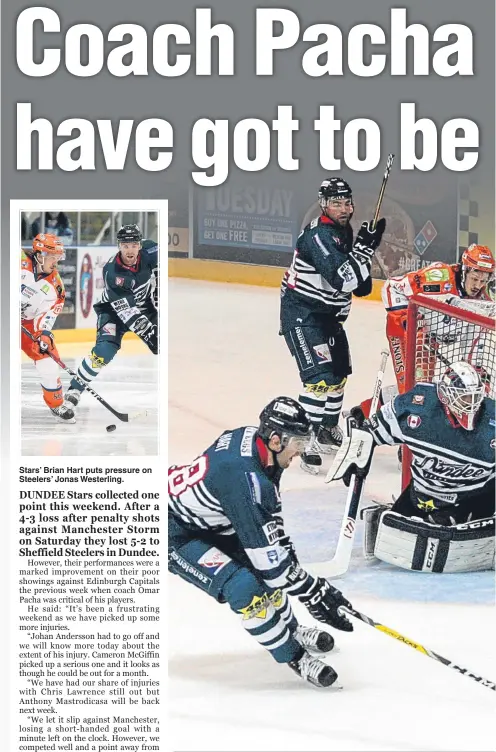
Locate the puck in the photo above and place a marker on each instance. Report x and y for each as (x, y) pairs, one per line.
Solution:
(111, 428)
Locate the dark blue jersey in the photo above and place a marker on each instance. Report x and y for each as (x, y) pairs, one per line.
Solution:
(129, 291)
(229, 491)
(323, 274)
(448, 462)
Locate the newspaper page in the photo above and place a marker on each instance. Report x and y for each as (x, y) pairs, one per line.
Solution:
(292, 158)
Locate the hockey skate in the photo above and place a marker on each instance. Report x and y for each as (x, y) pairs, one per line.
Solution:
(63, 413)
(329, 439)
(314, 640)
(72, 396)
(313, 670)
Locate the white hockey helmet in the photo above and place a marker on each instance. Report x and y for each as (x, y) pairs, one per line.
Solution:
(461, 391)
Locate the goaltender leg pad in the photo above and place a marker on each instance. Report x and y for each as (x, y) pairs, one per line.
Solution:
(411, 543)
(371, 517)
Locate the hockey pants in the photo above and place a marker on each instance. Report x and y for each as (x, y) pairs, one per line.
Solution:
(412, 503)
(47, 369)
(219, 567)
(322, 354)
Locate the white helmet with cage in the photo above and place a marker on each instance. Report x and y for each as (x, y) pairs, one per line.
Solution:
(461, 391)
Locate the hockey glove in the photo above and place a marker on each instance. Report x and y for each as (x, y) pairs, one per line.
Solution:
(323, 602)
(368, 240)
(353, 457)
(147, 331)
(44, 342)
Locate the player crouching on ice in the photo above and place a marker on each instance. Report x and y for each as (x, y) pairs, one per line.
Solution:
(128, 303)
(226, 537)
(42, 299)
(443, 521)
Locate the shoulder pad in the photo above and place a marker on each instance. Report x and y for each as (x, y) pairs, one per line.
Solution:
(149, 246)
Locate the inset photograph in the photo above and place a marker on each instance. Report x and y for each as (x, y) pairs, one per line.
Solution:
(89, 331)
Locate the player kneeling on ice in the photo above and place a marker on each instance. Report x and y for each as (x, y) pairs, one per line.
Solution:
(443, 521)
(128, 304)
(226, 537)
(42, 300)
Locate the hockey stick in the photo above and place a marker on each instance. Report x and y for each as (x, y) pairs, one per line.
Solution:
(419, 647)
(340, 562)
(124, 417)
(389, 164)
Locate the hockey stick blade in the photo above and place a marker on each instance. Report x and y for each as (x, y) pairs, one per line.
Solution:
(340, 562)
(124, 417)
(417, 646)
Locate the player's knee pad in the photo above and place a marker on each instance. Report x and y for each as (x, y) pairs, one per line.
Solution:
(48, 372)
(262, 614)
(325, 384)
(102, 353)
(243, 590)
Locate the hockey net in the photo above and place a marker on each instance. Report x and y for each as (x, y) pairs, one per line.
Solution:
(440, 333)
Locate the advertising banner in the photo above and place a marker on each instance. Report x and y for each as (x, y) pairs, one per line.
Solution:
(178, 241)
(251, 217)
(89, 286)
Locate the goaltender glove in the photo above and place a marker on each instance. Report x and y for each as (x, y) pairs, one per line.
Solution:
(323, 602)
(353, 457)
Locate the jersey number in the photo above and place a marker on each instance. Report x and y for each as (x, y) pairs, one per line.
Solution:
(182, 478)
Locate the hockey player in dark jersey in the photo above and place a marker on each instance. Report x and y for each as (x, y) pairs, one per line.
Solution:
(327, 268)
(226, 537)
(444, 518)
(128, 303)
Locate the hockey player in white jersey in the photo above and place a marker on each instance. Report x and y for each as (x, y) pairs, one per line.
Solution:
(443, 521)
(327, 268)
(42, 300)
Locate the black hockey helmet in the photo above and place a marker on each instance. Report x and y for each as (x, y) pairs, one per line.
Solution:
(333, 188)
(285, 418)
(129, 234)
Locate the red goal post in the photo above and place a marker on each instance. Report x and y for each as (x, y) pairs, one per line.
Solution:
(438, 334)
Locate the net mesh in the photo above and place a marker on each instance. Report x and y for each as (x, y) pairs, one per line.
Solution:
(446, 336)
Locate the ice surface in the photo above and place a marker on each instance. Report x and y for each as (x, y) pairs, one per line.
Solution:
(129, 383)
(225, 363)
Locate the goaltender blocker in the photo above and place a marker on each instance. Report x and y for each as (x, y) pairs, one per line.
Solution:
(444, 519)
